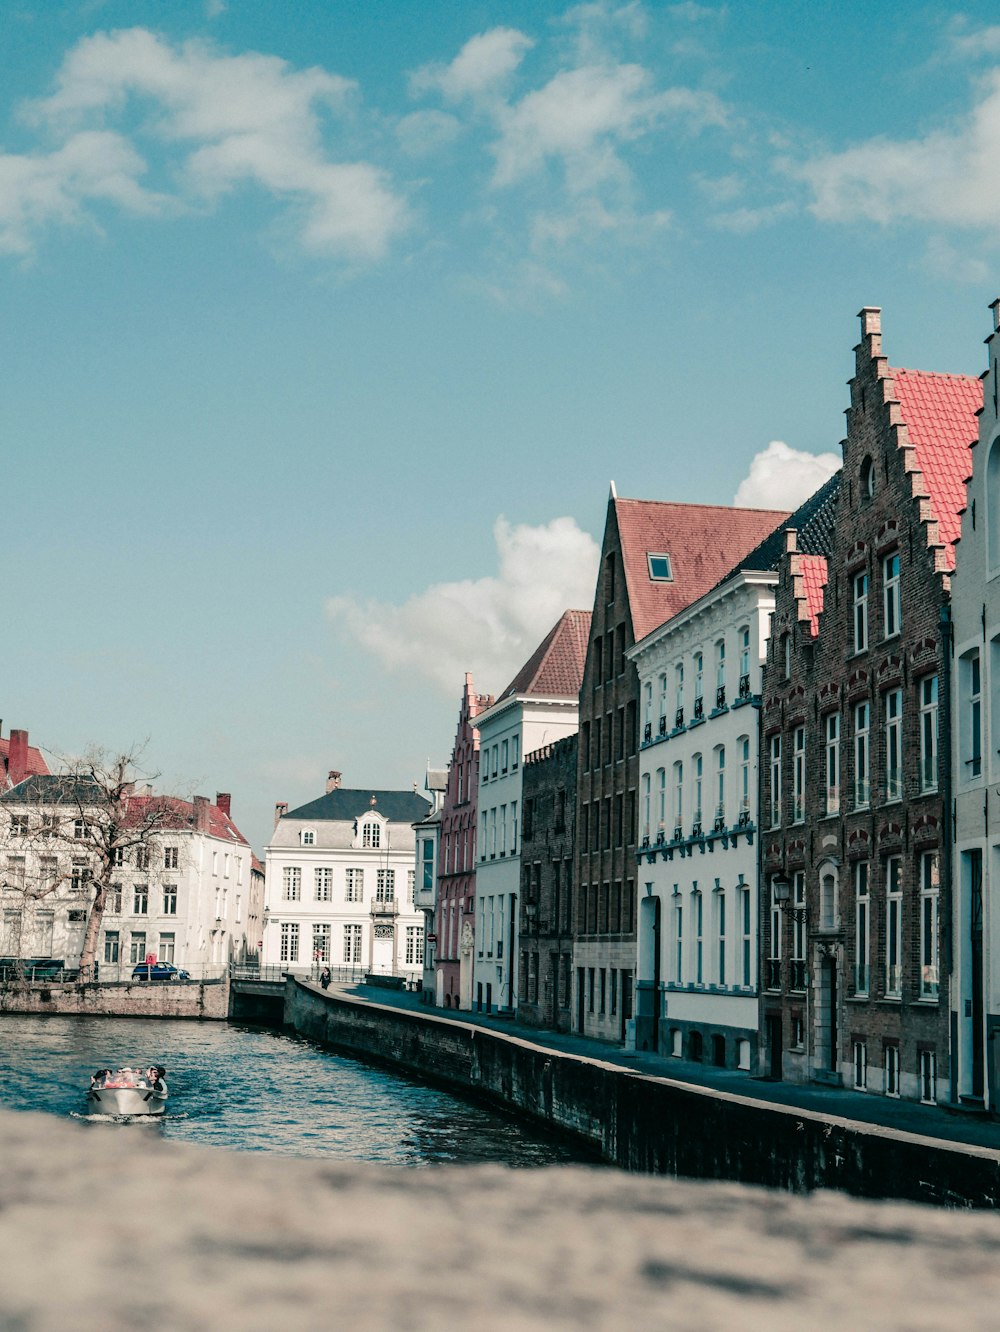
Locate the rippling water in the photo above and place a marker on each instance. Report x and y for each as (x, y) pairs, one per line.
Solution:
(259, 1090)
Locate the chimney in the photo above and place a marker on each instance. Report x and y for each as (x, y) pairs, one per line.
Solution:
(223, 801)
(201, 804)
(280, 809)
(17, 757)
(332, 781)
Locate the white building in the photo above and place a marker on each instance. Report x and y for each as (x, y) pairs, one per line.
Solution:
(339, 881)
(539, 706)
(699, 690)
(182, 897)
(428, 840)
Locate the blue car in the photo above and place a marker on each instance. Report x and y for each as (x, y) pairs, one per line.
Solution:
(163, 971)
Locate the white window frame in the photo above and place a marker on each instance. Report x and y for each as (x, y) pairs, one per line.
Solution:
(894, 927)
(892, 602)
(862, 755)
(928, 694)
(859, 590)
(862, 927)
(799, 774)
(831, 728)
(930, 905)
(774, 758)
(291, 883)
(893, 706)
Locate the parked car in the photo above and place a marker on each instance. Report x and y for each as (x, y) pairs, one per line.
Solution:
(162, 971)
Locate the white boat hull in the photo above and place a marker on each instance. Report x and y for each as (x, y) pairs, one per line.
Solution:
(127, 1101)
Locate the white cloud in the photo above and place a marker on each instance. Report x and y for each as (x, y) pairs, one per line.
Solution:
(247, 119)
(489, 626)
(781, 477)
(946, 262)
(974, 43)
(744, 220)
(480, 70)
(425, 132)
(948, 176)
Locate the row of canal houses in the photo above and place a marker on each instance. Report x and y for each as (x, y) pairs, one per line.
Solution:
(746, 811)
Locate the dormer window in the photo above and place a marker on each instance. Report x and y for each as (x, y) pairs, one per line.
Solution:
(371, 834)
(659, 568)
(308, 837)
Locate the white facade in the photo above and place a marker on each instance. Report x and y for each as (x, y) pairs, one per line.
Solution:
(699, 683)
(511, 728)
(339, 886)
(426, 851)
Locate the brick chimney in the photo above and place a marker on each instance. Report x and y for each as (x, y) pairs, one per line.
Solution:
(17, 757)
(332, 781)
(280, 809)
(223, 801)
(201, 804)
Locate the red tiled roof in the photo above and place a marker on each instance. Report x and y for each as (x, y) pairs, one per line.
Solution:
(555, 668)
(34, 767)
(813, 583)
(940, 411)
(704, 542)
(180, 814)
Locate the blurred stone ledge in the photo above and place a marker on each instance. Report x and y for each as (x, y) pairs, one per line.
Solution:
(110, 1227)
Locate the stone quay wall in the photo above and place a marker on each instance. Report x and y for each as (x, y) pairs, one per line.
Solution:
(649, 1124)
(145, 999)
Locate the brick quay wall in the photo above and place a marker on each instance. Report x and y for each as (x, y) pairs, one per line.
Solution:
(141, 999)
(649, 1124)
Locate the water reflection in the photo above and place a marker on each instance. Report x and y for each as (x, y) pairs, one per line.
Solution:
(259, 1090)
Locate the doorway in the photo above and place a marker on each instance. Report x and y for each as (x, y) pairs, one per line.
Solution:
(774, 1047)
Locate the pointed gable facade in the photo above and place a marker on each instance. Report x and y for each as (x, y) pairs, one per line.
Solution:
(855, 772)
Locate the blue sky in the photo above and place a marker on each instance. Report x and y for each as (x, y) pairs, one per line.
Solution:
(326, 326)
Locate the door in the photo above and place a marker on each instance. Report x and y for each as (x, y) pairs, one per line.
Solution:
(774, 1046)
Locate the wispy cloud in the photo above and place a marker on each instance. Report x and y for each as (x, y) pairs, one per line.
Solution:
(486, 625)
(481, 70)
(781, 477)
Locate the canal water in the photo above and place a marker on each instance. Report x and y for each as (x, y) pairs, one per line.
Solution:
(253, 1089)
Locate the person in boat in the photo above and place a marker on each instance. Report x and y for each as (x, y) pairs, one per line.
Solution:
(154, 1076)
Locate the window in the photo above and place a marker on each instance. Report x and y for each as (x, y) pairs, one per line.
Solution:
(321, 943)
(891, 1069)
(743, 745)
(893, 609)
(323, 883)
(745, 914)
(678, 941)
(308, 837)
(696, 764)
(774, 749)
(113, 901)
(112, 944)
(502, 820)
(504, 755)
(167, 948)
(678, 797)
(590, 989)
(414, 946)
(862, 752)
(697, 904)
(894, 745)
(827, 900)
(659, 568)
(971, 717)
(48, 868)
(928, 1077)
(720, 673)
(170, 899)
(137, 948)
(140, 899)
(928, 690)
(291, 882)
(170, 857)
(860, 1066)
(861, 927)
(79, 876)
(798, 980)
(646, 807)
(515, 750)
(798, 774)
(867, 478)
(720, 785)
(385, 885)
(289, 941)
(720, 975)
(603, 1007)
(142, 857)
(832, 731)
(893, 927)
(494, 749)
(859, 589)
(19, 825)
(118, 857)
(786, 655)
(774, 949)
(371, 831)
(427, 864)
(699, 684)
(663, 702)
(15, 871)
(79, 829)
(930, 888)
(513, 827)
(744, 661)
(679, 694)
(352, 944)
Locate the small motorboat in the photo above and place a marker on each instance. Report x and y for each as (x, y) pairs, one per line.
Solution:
(128, 1091)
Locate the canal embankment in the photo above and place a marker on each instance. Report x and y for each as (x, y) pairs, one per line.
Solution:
(204, 999)
(644, 1122)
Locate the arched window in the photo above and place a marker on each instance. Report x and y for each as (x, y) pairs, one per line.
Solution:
(866, 478)
(993, 506)
(827, 897)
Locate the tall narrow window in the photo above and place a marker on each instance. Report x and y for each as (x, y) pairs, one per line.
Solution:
(860, 1066)
(862, 755)
(861, 930)
(893, 927)
(645, 808)
(664, 703)
(891, 1065)
(291, 877)
(775, 764)
(679, 694)
(859, 590)
(743, 745)
(697, 771)
(832, 730)
(289, 941)
(971, 717)
(699, 685)
(774, 945)
(721, 936)
(930, 888)
(720, 786)
(798, 774)
(661, 800)
(647, 710)
(928, 732)
(699, 921)
(744, 685)
(678, 941)
(894, 745)
(745, 916)
(720, 673)
(891, 594)
(799, 931)
(678, 797)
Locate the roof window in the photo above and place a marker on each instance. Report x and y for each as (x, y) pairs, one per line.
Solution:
(659, 568)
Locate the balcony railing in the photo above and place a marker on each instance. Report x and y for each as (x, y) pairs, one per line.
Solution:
(647, 732)
(699, 708)
(744, 686)
(773, 973)
(798, 973)
(663, 725)
(385, 906)
(720, 818)
(720, 696)
(679, 717)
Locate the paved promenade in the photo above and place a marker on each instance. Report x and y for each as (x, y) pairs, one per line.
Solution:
(868, 1108)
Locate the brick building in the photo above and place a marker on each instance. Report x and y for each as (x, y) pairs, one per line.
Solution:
(548, 820)
(855, 780)
(455, 916)
(656, 558)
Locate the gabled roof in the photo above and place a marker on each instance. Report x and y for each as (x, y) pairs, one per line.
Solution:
(814, 576)
(940, 414)
(180, 815)
(704, 542)
(35, 765)
(555, 668)
(345, 806)
(54, 789)
(813, 523)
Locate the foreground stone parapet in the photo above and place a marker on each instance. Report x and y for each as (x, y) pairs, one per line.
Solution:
(109, 1227)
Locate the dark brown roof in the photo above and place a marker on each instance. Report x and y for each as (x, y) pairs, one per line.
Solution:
(555, 668)
(704, 542)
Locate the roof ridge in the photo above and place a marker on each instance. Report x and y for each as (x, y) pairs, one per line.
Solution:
(681, 504)
(930, 374)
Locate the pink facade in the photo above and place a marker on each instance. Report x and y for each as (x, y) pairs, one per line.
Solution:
(455, 919)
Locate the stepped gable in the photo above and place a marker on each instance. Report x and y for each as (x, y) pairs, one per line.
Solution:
(940, 413)
(703, 541)
(555, 668)
(344, 806)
